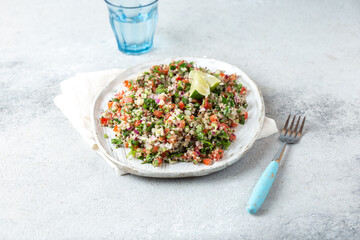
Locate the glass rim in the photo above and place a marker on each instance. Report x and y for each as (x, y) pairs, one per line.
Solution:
(141, 6)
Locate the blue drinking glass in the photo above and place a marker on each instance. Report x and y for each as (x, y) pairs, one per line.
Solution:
(134, 24)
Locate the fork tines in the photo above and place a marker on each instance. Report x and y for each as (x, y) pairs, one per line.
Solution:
(289, 131)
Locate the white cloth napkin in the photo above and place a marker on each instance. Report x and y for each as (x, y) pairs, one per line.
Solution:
(78, 94)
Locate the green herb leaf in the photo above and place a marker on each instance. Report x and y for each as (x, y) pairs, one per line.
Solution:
(160, 89)
(134, 143)
(116, 141)
(148, 129)
(131, 153)
(180, 116)
(185, 100)
(117, 120)
(125, 133)
(184, 64)
(149, 103)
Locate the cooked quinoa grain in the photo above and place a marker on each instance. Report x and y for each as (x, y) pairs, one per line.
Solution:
(158, 120)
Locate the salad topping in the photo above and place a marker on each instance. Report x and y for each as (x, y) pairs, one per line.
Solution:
(177, 112)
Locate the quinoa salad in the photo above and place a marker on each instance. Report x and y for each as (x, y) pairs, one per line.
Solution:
(161, 119)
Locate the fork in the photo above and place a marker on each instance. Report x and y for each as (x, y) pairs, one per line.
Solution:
(262, 188)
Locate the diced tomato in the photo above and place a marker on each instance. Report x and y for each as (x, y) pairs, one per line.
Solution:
(228, 89)
(246, 115)
(233, 77)
(165, 70)
(181, 105)
(161, 139)
(126, 144)
(110, 103)
(178, 78)
(234, 124)
(118, 111)
(172, 139)
(207, 104)
(158, 113)
(232, 137)
(137, 123)
(221, 152)
(167, 115)
(127, 84)
(121, 94)
(213, 118)
(103, 121)
(160, 161)
(126, 108)
(192, 117)
(243, 91)
(123, 117)
(128, 100)
(116, 128)
(222, 74)
(207, 161)
(185, 81)
(182, 124)
(224, 126)
(167, 130)
(155, 149)
(217, 154)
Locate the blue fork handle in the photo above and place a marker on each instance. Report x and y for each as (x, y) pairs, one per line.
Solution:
(262, 187)
(265, 182)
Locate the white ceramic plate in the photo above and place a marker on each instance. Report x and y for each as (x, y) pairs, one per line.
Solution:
(245, 135)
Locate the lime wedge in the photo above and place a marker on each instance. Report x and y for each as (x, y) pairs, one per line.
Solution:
(192, 75)
(199, 87)
(212, 81)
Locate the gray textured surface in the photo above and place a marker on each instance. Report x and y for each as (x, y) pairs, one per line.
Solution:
(304, 55)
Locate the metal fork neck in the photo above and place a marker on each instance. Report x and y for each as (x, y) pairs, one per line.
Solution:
(280, 153)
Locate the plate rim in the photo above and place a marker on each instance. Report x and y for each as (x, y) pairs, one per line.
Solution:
(202, 172)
